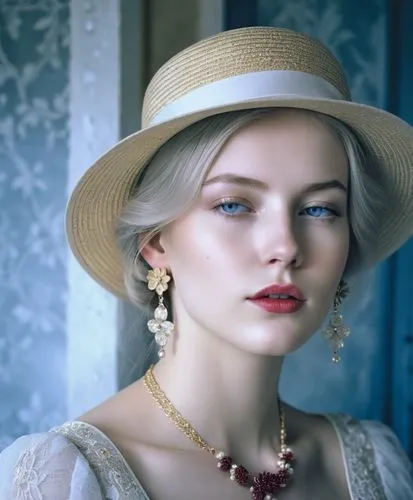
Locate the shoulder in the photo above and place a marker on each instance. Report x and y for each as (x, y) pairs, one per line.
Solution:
(45, 465)
(394, 466)
(374, 455)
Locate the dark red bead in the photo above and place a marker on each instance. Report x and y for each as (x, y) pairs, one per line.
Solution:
(263, 479)
(257, 493)
(282, 478)
(241, 475)
(224, 464)
(273, 483)
(288, 456)
(263, 484)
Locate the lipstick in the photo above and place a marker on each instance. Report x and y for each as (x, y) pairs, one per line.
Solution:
(279, 299)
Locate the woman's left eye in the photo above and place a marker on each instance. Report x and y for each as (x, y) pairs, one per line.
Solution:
(232, 208)
(320, 212)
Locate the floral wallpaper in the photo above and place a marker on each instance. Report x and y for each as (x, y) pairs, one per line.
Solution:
(359, 42)
(34, 63)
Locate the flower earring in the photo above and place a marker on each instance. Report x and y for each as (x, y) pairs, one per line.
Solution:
(158, 281)
(336, 331)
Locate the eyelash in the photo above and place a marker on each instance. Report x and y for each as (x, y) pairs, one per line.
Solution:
(229, 201)
(333, 213)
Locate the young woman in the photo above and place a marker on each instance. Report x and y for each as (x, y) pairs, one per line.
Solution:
(255, 189)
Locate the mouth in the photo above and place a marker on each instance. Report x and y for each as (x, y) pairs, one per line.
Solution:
(279, 299)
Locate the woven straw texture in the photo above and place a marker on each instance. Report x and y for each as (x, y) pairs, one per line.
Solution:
(245, 51)
(101, 194)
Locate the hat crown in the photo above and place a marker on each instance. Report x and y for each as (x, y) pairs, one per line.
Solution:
(237, 52)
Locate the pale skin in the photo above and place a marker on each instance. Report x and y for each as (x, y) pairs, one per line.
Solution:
(279, 215)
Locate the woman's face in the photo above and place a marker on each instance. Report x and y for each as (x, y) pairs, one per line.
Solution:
(272, 211)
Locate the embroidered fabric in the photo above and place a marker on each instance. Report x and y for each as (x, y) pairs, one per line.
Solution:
(46, 466)
(78, 462)
(377, 467)
(392, 462)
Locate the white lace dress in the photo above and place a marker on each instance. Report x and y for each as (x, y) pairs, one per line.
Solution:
(78, 462)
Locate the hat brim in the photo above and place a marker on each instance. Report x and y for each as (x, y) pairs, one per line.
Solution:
(104, 190)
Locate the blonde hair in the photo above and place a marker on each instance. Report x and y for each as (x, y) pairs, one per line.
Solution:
(173, 179)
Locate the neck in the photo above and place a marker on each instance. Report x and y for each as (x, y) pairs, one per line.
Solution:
(228, 395)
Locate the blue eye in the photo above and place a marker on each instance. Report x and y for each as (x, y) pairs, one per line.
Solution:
(320, 212)
(232, 208)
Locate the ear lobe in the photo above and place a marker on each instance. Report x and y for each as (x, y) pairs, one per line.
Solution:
(154, 253)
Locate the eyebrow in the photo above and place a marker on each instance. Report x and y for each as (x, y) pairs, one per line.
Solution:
(255, 183)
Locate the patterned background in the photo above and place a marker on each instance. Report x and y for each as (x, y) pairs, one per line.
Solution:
(34, 57)
(358, 41)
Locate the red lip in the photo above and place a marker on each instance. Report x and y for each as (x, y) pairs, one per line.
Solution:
(280, 306)
(291, 290)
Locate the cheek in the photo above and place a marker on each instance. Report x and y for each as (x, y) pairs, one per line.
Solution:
(195, 251)
(205, 261)
(331, 261)
(203, 266)
(329, 244)
(326, 257)
(210, 243)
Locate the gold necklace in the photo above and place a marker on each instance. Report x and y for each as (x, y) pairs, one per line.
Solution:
(262, 485)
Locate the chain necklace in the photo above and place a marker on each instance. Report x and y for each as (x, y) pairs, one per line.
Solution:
(263, 485)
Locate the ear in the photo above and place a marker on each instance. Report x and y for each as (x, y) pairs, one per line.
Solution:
(154, 252)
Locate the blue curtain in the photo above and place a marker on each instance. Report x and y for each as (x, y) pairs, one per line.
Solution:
(397, 273)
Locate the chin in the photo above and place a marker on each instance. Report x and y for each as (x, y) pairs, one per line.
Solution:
(272, 343)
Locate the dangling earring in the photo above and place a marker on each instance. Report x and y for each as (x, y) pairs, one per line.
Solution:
(158, 281)
(336, 331)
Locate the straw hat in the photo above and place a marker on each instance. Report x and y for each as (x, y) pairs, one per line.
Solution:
(240, 69)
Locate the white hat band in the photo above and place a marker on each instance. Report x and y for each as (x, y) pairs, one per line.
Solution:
(246, 87)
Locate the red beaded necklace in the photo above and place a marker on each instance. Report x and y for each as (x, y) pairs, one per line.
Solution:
(263, 485)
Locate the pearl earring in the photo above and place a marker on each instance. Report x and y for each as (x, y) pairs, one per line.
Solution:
(158, 280)
(336, 331)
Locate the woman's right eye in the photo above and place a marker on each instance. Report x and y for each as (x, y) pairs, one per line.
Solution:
(232, 208)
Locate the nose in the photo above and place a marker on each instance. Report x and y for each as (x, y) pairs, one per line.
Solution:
(278, 242)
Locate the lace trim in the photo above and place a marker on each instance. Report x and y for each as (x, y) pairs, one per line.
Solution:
(363, 478)
(26, 479)
(114, 474)
(118, 481)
